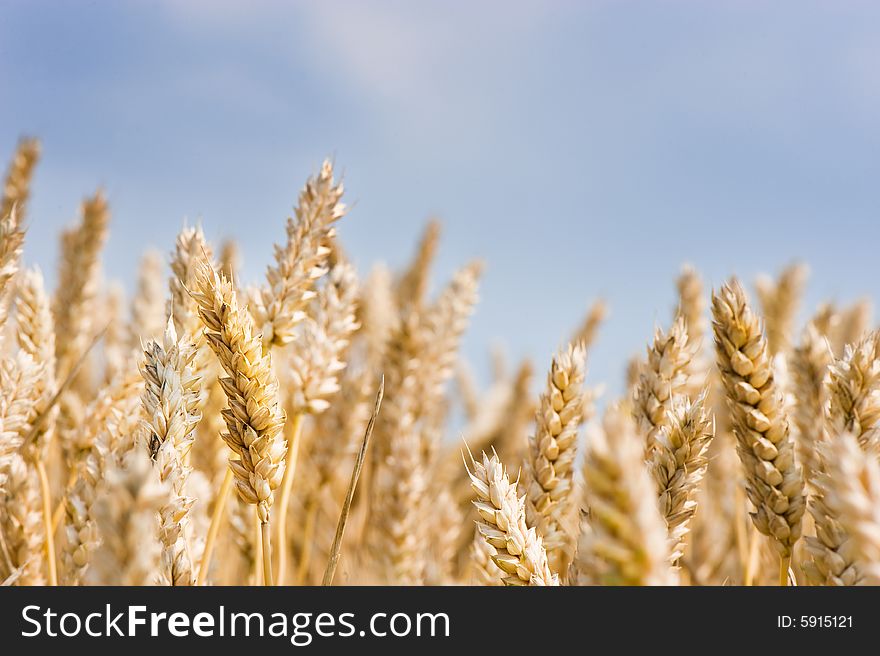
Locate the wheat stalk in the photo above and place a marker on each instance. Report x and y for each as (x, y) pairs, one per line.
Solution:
(279, 306)
(118, 342)
(170, 402)
(520, 552)
(852, 323)
(11, 245)
(718, 550)
(552, 451)
(482, 569)
(377, 313)
(443, 325)
(412, 286)
(420, 359)
(586, 333)
(852, 491)
(21, 521)
(19, 512)
(126, 521)
(624, 541)
(853, 392)
(809, 362)
(17, 184)
(13, 207)
(678, 465)
(229, 260)
(254, 418)
(779, 302)
(36, 337)
(852, 406)
(314, 371)
(691, 303)
(190, 247)
(512, 438)
(662, 376)
(336, 547)
(316, 363)
(774, 481)
(73, 305)
(19, 381)
(444, 535)
(110, 430)
(402, 494)
(148, 306)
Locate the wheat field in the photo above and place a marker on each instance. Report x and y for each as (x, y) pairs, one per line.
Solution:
(298, 430)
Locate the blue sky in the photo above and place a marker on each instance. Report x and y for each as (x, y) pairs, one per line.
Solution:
(581, 149)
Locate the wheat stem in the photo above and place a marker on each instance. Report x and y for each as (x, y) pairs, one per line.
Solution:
(308, 536)
(284, 499)
(751, 559)
(47, 522)
(214, 528)
(784, 563)
(349, 495)
(266, 536)
(740, 528)
(256, 528)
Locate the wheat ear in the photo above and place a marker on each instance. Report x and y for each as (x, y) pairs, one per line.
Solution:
(17, 184)
(117, 338)
(229, 260)
(809, 361)
(442, 326)
(482, 569)
(36, 337)
(148, 306)
(314, 372)
(419, 360)
(301, 261)
(170, 402)
(678, 464)
(126, 521)
(774, 481)
(377, 313)
(19, 378)
(73, 305)
(662, 376)
(779, 302)
(624, 541)
(852, 406)
(552, 451)
(209, 452)
(691, 303)
(412, 287)
(852, 491)
(11, 245)
(587, 332)
(20, 509)
(13, 207)
(402, 489)
(111, 429)
(189, 248)
(21, 521)
(254, 418)
(324, 340)
(853, 392)
(520, 552)
(853, 322)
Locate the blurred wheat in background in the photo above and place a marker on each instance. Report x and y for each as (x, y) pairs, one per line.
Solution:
(213, 432)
